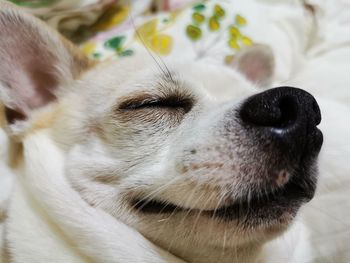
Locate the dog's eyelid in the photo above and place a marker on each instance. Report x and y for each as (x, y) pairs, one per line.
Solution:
(172, 101)
(134, 103)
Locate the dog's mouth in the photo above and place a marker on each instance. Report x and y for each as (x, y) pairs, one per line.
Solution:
(264, 207)
(261, 205)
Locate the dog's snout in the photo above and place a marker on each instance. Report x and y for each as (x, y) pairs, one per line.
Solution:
(286, 113)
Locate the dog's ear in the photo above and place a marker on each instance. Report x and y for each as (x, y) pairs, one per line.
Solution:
(35, 63)
(256, 63)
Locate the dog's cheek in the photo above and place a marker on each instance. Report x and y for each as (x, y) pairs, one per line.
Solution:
(139, 135)
(93, 172)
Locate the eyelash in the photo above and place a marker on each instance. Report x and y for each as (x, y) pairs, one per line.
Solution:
(170, 103)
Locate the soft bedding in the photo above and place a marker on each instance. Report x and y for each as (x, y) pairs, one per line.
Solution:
(311, 43)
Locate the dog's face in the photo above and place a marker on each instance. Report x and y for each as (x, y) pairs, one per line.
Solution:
(180, 151)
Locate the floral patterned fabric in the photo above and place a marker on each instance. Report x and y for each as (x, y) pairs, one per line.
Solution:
(214, 30)
(205, 27)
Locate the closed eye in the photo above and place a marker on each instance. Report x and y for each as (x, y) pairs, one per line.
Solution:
(172, 102)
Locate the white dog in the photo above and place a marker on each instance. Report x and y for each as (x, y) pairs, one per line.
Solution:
(130, 161)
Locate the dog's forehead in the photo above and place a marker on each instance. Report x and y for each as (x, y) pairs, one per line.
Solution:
(144, 73)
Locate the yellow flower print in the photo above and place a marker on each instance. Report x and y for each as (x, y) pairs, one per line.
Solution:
(113, 17)
(233, 43)
(219, 12)
(247, 41)
(159, 43)
(193, 32)
(214, 24)
(240, 20)
(198, 18)
(234, 32)
(88, 48)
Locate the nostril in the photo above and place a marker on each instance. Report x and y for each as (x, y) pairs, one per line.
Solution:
(277, 111)
(288, 108)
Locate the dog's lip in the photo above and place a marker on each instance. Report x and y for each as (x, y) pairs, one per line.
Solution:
(286, 198)
(153, 206)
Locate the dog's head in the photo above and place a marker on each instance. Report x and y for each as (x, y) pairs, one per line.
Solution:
(181, 151)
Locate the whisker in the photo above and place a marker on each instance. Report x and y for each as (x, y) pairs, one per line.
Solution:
(223, 195)
(155, 192)
(186, 215)
(223, 245)
(165, 70)
(201, 210)
(144, 44)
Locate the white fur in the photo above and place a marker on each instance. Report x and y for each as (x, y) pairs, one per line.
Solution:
(96, 235)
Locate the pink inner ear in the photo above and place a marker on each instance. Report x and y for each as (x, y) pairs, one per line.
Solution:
(28, 65)
(254, 69)
(44, 85)
(256, 63)
(31, 88)
(30, 84)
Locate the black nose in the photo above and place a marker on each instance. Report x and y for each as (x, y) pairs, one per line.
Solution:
(288, 114)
